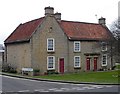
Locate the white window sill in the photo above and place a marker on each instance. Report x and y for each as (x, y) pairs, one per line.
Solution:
(77, 51)
(51, 69)
(104, 65)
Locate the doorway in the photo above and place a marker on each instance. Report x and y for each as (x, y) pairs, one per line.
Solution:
(61, 65)
(88, 63)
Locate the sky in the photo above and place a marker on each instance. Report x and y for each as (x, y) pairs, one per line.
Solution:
(15, 12)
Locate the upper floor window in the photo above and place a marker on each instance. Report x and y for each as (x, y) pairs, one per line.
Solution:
(104, 60)
(76, 46)
(104, 46)
(76, 61)
(50, 62)
(50, 44)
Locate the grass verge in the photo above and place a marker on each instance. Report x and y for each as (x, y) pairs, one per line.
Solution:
(97, 77)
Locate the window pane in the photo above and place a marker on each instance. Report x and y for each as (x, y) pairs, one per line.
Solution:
(77, 61)
(104, 60)
(104, 46)
(76, 46)
(51, 62)
(50, 45)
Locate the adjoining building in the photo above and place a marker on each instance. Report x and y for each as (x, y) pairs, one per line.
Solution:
(1, 55)
(50, 44)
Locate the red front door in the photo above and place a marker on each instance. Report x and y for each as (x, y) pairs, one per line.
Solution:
(88, 63)
(95, 63)
(61, 65)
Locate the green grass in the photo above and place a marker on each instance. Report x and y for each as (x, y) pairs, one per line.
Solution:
(99, 77)
(117, 66)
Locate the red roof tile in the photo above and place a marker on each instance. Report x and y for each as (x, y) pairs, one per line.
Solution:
(24, 31)
(85, 31)
(74, 30)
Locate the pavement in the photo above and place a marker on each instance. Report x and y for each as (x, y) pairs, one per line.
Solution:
(61, 81)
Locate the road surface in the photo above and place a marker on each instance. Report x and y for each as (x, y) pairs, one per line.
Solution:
(12, 84)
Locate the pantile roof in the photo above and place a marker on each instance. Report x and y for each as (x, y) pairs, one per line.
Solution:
(73, 30)
(85, 31)
(24, 31)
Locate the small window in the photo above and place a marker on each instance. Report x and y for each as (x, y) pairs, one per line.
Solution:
(104, 60)
(50, 44)
(104, 46)
(77, 46)
(76, 61)
(50, 62)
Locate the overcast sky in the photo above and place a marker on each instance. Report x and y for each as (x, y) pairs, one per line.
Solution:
(14, 12)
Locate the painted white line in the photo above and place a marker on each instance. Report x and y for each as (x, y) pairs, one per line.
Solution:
(108, 86)
(62, 83)
(53, 89)
(80, 89)
(77, 88)
(11, 77)
(44, 91)
(58, 90)
(24, 91)
(39, 90)
(78, 84)
(89, 87)
(65, 88)
(99, 87)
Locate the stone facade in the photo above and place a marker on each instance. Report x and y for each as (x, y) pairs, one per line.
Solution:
(18, 56)
(39, 45)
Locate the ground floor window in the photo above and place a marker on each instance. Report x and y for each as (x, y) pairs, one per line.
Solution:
(50, 62)
(104, 60)
(76, 61)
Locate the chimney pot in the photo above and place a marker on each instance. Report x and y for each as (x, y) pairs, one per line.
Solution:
(49, 10)
(102, 21)
(58, 16)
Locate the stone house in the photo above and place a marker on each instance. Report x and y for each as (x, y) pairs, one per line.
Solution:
(51, 44)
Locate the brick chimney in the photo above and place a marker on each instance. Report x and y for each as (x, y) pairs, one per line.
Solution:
(58, 16)
(102, 21)
(49, 10)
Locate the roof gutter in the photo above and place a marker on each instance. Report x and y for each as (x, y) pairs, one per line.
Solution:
(18, 41)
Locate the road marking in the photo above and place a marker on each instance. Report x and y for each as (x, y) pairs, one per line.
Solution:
(10, 77)
(80, 89)
(88, 87)
(108, 86)
(63, 83)
(39, 90)
(65, 89)
(53, 88)
(58, 90)
(97, 86)
(24, 91)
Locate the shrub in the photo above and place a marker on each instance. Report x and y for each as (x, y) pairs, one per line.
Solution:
(8, 68)
(52, 72)
(36, 70)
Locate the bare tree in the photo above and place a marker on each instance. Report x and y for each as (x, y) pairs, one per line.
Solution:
(115, 28)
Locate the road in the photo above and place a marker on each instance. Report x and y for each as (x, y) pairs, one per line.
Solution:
(12, 84)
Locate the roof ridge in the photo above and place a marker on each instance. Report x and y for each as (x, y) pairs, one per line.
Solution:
(32, 20)
(80, 22)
